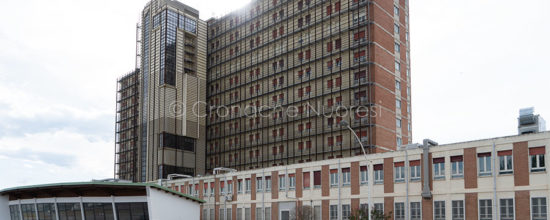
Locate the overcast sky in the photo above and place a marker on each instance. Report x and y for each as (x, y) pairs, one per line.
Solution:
(474, 64)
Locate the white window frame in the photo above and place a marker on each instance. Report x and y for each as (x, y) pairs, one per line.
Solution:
(379, 176)
(247, 185)
(453, 209)
(538, 159)
(435, 208)
(545, 207)
(399, 174)
(346, 211)
(379, 204)
(282, 183)
(439, 171)
(396, 11)
(292, 182)
(364, 177)
(508, 168)
(487, 207)
(240, 187)
(333, 215)
(395, 28)
(500, 208)
(334, 179)
(259, 185)
(268, 184)
(415, 173)
(485, 166)
(230, 187)
(418, 209)
(397, 213)
(457, 169)
(346, 178)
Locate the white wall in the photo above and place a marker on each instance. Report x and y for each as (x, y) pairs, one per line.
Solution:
(4, 207)
(167, 206)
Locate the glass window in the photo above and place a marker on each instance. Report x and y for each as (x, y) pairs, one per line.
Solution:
(346, 177)
(397, 85)
(439, 210)
(222, 213)
(334, 178)
(98, 211)
(247, 185)
(317, 212)
(267, 213)
(458, 209)
(395, 28)
(258, 213)
(399, 211)
(190, 25)
(212, 215)
(268, 184)
(378, 176)
(485, 209)
(397, 66)
(228, 213)
(282, 183)
(506, 164)
(333, 212)
(397, 47)
(240, 186)
(14, 212)
(379, 207)
(247, 214)
(292, 182)
(439, 169)
(415, 173)
(239, 214)
(69, 211)
(364, 175)
(416, 213)
(399, 174)
(259, 184)
(506, 209)
(484, 162)
(457, 168)
(396, 10)
(132, 211)
(46, 211)
(346, 212)
(537, 163)
(538, 209)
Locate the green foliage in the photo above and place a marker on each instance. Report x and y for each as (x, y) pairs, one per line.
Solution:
(361, 214)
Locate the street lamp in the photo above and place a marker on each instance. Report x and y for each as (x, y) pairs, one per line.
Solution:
(344, 123)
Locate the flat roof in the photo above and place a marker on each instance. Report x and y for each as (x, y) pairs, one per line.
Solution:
(71, 189)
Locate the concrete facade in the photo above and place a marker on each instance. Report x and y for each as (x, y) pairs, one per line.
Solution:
(464, 192)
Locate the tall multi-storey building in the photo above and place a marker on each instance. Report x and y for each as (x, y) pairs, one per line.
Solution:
(172, 79)
(294, 59)
(127, 126)
(282, 76)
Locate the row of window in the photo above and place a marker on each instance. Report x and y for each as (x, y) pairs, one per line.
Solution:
(73, 211)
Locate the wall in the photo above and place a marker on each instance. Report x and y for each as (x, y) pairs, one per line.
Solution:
(166, 206)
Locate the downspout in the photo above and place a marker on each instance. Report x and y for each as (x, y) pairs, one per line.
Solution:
(426, 192)
(340, 180)
(494, 161)
(407, 171)
(263, 194)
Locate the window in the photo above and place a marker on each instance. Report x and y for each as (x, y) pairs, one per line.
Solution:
(397, 103)
(282, 183)
(415, 170)
(291, 181)
(333, 212)
(397, 48)
(536, 155)
(47, 211)
(364, 175)
(439, 168)
(230, 186)
(222, 213)
(538, 209)
(415, 208)
(346, 177)
(247, 214)
(259, 184)
(399, 141)
(346, 212)
(457, 167)
(396, 11)
(399, 170)
(247, 185)
(485, 209)
(397, 85)
(306, 180)
(506, 209)
(212, 216)
(258, 213)
(395, 28)
(317, 179)
(484, 164)
(267, 213)
(397, 66)
(505, 162)
(379, 207)
(267, 183)
(317, 212)
(399, 211)
(334, 178)
(378, 174)
(458, 209)
(439, 210)
(398, 122)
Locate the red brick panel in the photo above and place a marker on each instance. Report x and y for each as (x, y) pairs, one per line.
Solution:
(383, 14)
(427, 209)
(325, 181)
(201, 189)
(299, 183)
(388, 175)
(355, 179)
(253, 211)
(470, 168)
(521, 164)
(235, 184)
(388, 206)
(325, 209)
(471, 206)
(234, 211)
(274, 209)
(523, 204)
(274, 185)
(217, 192)
(253, 187)
(383, 137)
(354, 205)
(217, 212)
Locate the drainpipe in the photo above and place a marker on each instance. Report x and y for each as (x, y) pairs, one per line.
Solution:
(263, 193)
(494, 161)
(407, 213)
(340, 180)
(426, 192)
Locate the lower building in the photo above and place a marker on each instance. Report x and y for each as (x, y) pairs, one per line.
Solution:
(97, 200)
(497, 178)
